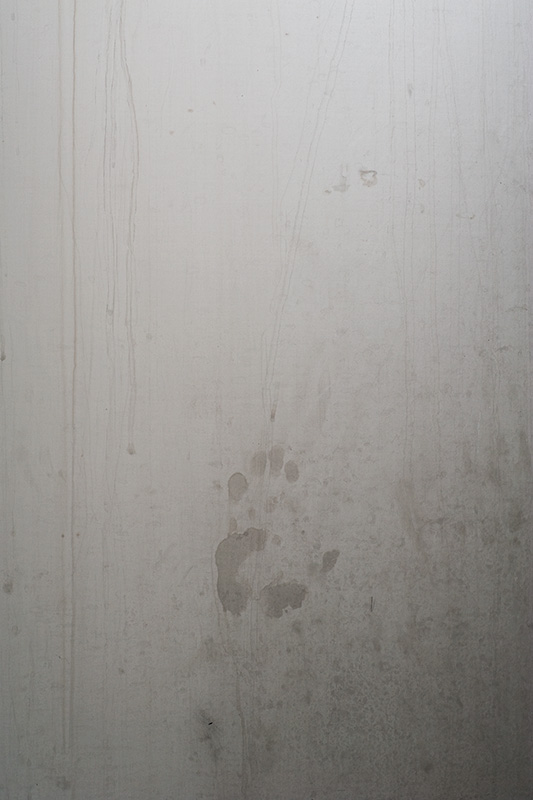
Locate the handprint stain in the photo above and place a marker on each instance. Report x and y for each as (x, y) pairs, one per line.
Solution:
(234, 591)
(279, 597)
(231, 553)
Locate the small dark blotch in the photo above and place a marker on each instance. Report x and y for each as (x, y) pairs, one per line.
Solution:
(63, 783)
(427, 766)
(237, 486)
(329, 560)
(8, 586)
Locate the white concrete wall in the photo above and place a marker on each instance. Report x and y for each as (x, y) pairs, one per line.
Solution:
(265, 422)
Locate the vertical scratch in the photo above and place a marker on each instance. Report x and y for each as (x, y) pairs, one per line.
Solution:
(130, 283)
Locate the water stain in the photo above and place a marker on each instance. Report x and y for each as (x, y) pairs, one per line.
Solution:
(329, 560)
(276, 457)
(278, 597)
(237, 486)
(369, 176)
(8, 587)
(230, 554)
(292, 472)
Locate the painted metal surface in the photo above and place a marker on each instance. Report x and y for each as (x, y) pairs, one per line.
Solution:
(265, 400)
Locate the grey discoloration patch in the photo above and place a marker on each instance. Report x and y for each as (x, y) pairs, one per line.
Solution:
(276, 457)
(369, 176)
(63, 783)
(259, 462)
(237, 486)
(8, 586)
(292, 472)
(277, 597)
(230, 554)
(329, 560)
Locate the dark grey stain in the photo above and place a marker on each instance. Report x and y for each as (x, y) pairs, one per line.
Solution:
(237, 485)
(259, 462)
(329, 560)
(276, 457)
(277, 597)
(8, 586)
(230, 554)
(369, 176)
(292, 472)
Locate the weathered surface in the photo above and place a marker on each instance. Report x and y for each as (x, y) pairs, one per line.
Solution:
(265, 400)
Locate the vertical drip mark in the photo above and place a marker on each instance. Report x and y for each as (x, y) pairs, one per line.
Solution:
(73, 414)
(64, 376)
(130, 282)
(400, 257)
(289, 260)
(435, 344)
(2, 139)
